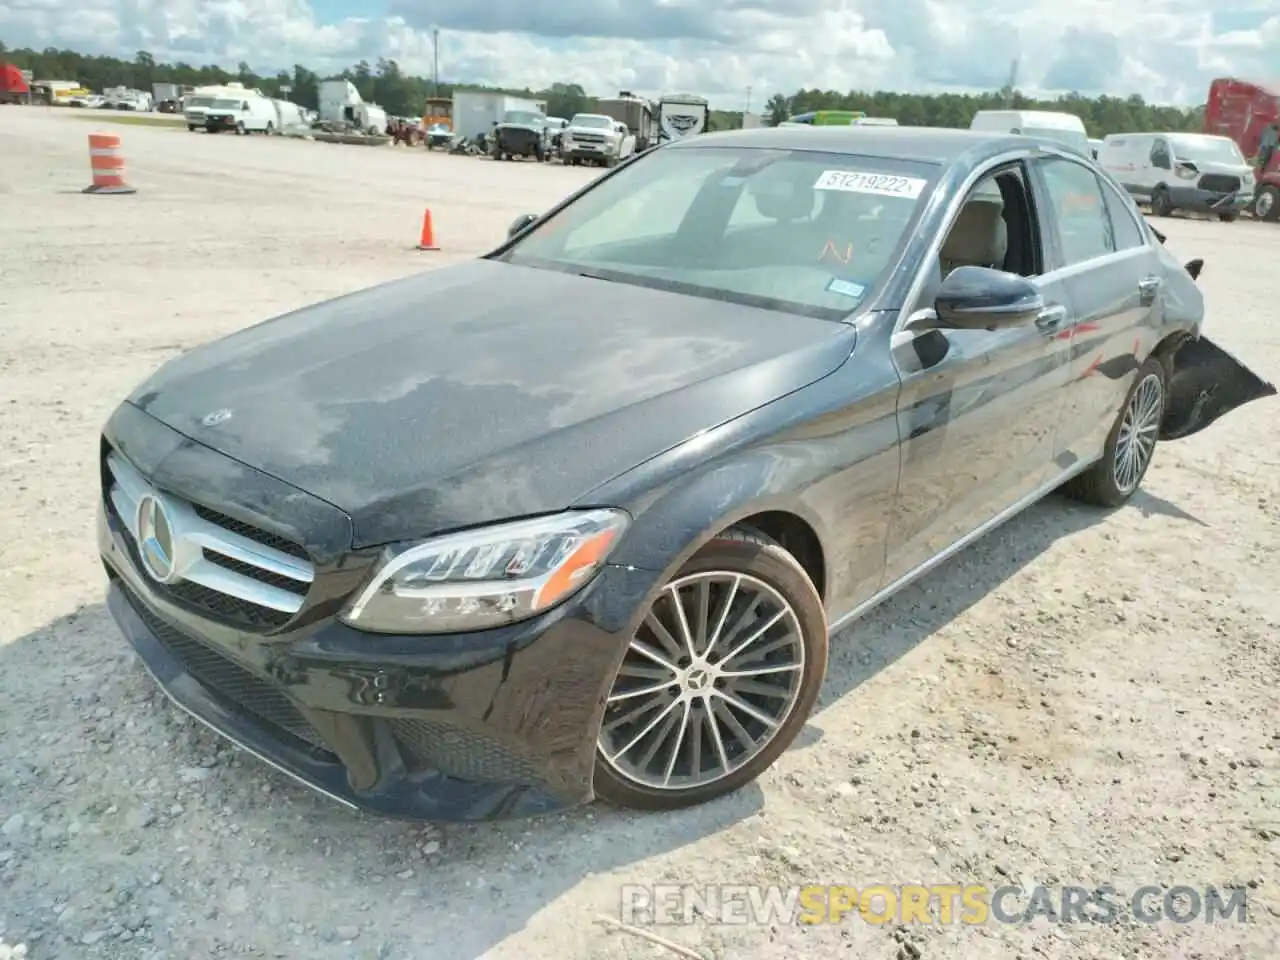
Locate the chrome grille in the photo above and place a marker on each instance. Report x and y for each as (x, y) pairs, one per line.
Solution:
(230, 571)
(593, 138)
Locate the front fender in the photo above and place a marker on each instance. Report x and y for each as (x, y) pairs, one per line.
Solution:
(684, 516)
(827, 454)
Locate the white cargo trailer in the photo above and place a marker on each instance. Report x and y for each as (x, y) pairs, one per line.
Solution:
(476, 111)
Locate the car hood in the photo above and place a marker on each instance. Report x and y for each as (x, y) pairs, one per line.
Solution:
(481, 392)
(1245, 173)
(598, 130)
(519, 126)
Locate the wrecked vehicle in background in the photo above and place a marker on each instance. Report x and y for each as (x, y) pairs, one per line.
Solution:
(520, 133)
(1242, 111)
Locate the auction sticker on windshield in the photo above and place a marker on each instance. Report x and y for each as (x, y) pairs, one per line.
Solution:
(879, 184)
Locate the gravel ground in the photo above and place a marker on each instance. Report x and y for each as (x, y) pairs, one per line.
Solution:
(1084, 698)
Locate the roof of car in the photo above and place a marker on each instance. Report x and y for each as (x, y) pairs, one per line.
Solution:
(930, 144)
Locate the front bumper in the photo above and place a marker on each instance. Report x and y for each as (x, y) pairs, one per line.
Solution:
(587, 151)
(518, 142)
(1198, 200)
(489, 725)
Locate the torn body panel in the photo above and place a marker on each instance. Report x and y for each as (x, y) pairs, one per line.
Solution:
(1206, 382)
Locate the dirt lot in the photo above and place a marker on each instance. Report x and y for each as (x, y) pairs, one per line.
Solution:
(1084, 698)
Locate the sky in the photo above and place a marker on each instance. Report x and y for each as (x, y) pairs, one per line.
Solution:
(1166, 50)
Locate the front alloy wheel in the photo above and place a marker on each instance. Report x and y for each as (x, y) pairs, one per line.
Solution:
(718, 679)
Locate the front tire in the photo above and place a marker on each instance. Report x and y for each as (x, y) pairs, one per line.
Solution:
(1266, 205)
(718, 680)
(1161, 205)
(1130, 446)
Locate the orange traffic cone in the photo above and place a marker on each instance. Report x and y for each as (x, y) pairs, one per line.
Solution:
(107, 165)
(428, 239)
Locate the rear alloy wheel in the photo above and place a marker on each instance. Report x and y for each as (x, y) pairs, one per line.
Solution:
(1131, 445)
(718, 680)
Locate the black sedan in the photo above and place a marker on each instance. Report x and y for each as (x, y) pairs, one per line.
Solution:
(492, 561)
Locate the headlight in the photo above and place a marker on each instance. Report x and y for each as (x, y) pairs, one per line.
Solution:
(1186, 173)
(487, 577)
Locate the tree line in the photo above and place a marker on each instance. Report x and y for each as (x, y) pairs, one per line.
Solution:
(401, 94)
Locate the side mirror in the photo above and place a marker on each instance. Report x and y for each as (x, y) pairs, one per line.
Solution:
(978, 298)
(519, 223)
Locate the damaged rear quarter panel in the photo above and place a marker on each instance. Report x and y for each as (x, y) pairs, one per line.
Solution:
(1205, 381)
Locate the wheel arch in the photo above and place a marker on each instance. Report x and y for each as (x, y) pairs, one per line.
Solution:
(754, 490)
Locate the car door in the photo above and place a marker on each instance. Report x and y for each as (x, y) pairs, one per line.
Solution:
(978, 410)
(1099, 250)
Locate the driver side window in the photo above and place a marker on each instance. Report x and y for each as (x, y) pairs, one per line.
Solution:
(995, 227)
(1160, 155)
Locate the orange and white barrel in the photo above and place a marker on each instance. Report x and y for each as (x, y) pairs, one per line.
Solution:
(107, 163)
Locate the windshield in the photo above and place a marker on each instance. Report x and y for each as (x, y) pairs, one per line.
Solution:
(199, 101)
(791, 230)
(1208, 150)
(583, 120)
(226, 104)
(526, 117)
(1074, 139)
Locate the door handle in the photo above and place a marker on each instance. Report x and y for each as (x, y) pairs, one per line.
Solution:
(1050, 318)
(1148, 287)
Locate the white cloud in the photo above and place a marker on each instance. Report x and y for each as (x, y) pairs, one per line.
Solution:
(1166, 50)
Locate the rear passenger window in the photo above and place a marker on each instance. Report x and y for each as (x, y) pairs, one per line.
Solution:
(1124, 229)
(1075, 195)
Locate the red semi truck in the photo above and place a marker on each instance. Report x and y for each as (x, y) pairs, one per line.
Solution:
(1242, 111)
(13, 85)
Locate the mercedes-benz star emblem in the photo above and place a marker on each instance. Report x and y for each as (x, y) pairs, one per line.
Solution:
(155, 538)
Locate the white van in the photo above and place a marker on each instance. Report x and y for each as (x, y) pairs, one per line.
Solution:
(1180, 171)
(1064, 128)
(248, 112)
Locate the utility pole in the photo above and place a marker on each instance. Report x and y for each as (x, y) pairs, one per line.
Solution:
(1013, 82)
(435, 62)
(747, 107)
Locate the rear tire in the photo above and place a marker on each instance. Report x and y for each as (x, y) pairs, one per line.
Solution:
(745, 605)
(1130, 446)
